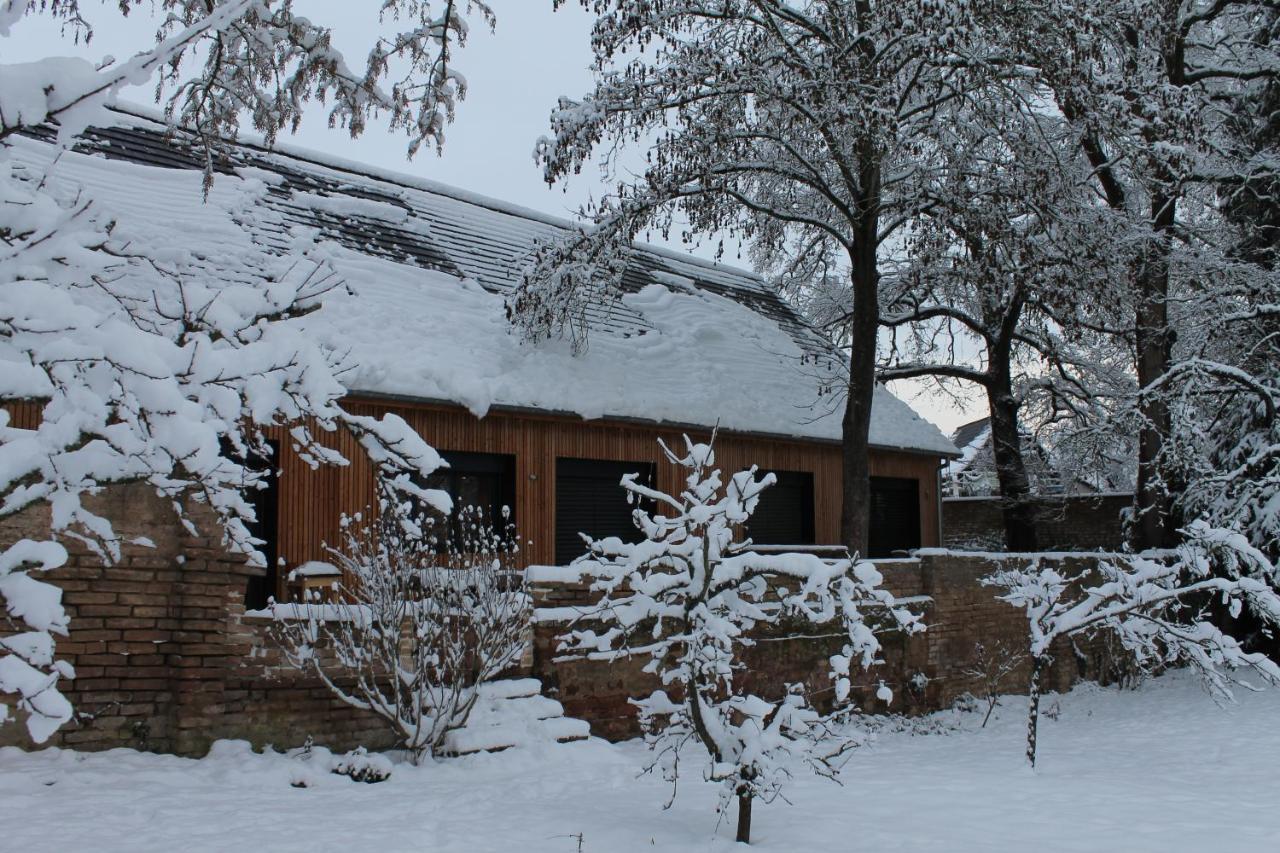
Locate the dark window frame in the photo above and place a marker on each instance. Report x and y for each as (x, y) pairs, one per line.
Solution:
(788, 483)
(266, 526)
(889, 534)
(498, 469)
(601, 478)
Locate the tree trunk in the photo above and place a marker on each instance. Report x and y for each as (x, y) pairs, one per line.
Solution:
(744, 818)
(855, 515)
(1153, 339)
(1033, 707)
(1016, 502)
(864, 325)
(1154, 527)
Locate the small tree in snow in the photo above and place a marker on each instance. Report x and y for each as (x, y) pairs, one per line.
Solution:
(991, 666)
(427, 619)
(1155, 608)
(688, 598)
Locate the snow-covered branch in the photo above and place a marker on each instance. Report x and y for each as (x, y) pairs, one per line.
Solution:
(1160, 609)
(163, 370)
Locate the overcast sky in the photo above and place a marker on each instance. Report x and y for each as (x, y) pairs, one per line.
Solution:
(515, 75)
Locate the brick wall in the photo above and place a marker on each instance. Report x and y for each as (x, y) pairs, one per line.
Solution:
(1071, 523)
(166, 659)
(926, 671)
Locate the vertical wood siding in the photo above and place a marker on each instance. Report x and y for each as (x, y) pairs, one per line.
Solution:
(312, 501)
(24, 414)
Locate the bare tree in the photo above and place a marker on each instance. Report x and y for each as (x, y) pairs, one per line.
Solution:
(262, 59)
(991, 276)
(991, 666)
(803, 127)
(426, 613)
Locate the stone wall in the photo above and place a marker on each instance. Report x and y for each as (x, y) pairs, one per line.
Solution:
(1068, 523)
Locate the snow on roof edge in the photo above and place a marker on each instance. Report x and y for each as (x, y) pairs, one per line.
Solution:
(898, 417)
(508, 408)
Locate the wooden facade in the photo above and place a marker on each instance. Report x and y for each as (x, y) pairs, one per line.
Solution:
(312, 501)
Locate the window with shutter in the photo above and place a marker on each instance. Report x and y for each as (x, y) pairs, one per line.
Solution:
(895, 516)
(784, 513)
(590, 500)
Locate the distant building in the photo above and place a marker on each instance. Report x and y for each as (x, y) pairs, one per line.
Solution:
(974, 474)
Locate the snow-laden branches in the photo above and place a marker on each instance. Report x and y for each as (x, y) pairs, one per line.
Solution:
(1226, 449)
(165, 374)
(219, 61)
(161, 368)
(759, 121)
(690, 598)
(424, 620)
(806, 129)
(33, 614)
(1153, 92)
(990, 280)
(1159, 609)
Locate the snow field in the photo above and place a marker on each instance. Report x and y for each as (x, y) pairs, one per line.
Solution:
(1161, 769)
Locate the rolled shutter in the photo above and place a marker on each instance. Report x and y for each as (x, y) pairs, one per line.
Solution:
(590, 500)
(784, 513)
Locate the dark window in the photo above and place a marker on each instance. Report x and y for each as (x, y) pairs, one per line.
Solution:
(895, 516)
(483, 481)
(784, 514)
(266, 510)
(590, 500)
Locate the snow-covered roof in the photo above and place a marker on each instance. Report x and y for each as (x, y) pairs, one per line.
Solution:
(427, 268)
(970, 438)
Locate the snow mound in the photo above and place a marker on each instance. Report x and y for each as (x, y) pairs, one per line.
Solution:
(513, 713)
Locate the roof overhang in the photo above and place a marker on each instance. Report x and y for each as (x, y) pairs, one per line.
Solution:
(627, 420)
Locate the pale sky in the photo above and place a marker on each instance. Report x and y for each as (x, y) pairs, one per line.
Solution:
(514, 75)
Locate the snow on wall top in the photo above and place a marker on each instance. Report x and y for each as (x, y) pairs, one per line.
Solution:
(427, 268)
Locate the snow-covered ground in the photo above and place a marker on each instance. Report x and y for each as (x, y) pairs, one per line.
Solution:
(1162, 769)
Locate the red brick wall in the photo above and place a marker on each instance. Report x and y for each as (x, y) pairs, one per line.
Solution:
(942, 586)
(166, 659)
